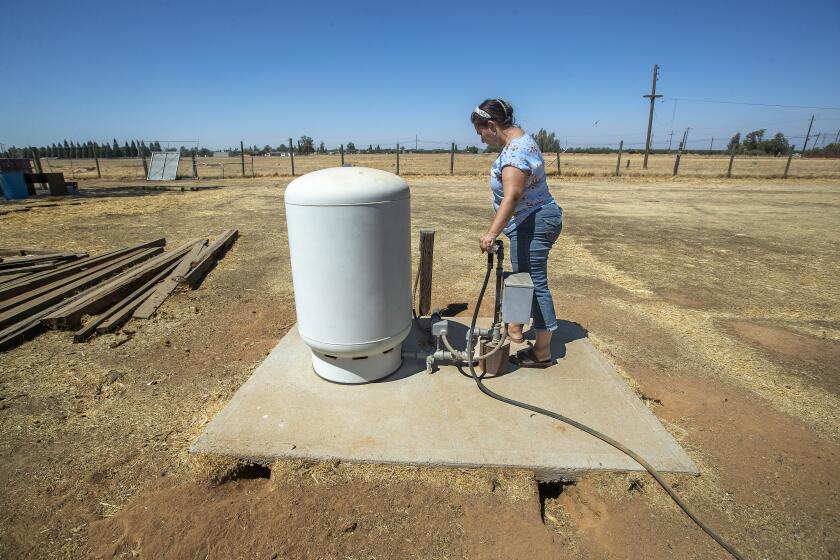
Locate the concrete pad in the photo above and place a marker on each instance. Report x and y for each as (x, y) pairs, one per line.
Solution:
(286, 410)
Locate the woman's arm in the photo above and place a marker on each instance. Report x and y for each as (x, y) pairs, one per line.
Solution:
(513, 185)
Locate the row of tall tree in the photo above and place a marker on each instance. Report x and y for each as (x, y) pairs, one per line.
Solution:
(82, 150)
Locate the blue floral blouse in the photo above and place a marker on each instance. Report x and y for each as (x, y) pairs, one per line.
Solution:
(522, 153)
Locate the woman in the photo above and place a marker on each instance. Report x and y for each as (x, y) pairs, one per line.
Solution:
(526, 213)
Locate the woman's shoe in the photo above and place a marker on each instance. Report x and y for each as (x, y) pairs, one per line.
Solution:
(528, 358)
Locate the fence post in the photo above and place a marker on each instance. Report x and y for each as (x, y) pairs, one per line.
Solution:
(677, 160)
(242, 156)
(790, 157)
(292, 155)
(145, 165)
(424, 269)
(195, 169)
(452, 160)
(341, 150)
(398, 159)
(96, 159)
(558, 162)
(618, 161)
(731, 160)
(252, 167)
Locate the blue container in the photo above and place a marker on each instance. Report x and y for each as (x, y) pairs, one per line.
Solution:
(13, 185)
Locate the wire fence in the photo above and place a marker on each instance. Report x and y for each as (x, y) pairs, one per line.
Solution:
(411, 163)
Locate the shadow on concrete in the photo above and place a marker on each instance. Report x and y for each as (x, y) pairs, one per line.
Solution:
(567, 332)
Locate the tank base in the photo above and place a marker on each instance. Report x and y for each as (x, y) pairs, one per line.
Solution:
(351, 371)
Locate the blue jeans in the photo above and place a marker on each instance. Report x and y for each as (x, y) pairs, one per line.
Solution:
(530, 243)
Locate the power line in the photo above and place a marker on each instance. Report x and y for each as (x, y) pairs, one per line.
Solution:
(755, 104)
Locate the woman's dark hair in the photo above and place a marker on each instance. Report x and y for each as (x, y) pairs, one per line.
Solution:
(500, 111)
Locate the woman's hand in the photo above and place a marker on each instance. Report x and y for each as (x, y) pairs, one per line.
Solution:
(487, 240)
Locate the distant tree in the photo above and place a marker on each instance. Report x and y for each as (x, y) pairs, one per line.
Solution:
(734, 142)
(471, 150)
(321, 148)
(370, 148)
(282, 148)
(777, 145)
(752, 141)
(134, 152)
(266, 149)
(547, 141)
(351, 148)
(306, 145)
(378, 149)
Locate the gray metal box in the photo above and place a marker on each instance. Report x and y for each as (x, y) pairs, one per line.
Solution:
(517, 298)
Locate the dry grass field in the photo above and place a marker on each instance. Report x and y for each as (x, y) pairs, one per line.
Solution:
(717, 300)
(571, 165)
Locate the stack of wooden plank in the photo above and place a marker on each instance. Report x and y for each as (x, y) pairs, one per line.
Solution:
(129, 282)
(17, 264)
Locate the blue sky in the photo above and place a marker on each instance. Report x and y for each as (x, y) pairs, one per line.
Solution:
(379, 73)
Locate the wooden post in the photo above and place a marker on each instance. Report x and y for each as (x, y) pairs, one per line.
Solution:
(252, 167)
(145, 165)
(292, 156)
(452, 160)
(36, 160)
(677, 160)
(618, 161)
(341, 151)
(424, 270)
(242, 156)
(398, 159)
(558, 163)
(790, 157)
(195, 168)
(96, 159)
(731, 159)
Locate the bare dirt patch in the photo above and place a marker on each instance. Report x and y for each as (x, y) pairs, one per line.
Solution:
(657, 272)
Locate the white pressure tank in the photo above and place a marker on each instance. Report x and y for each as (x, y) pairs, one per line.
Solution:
(350, 247)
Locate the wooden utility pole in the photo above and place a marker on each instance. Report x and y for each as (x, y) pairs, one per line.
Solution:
(618, 161)
(652, 98)
(96, 159)
(292, 156)
(816, 141)
(341, 151)
(790, 157)
(452, 160)
(670, 138)
(424, 269)
(712, 143)
(677, 159)
(398, 159)
(807, 135)
(242, 156)
(731, 159)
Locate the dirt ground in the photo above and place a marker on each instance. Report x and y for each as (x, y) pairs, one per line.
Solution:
(717, 300)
